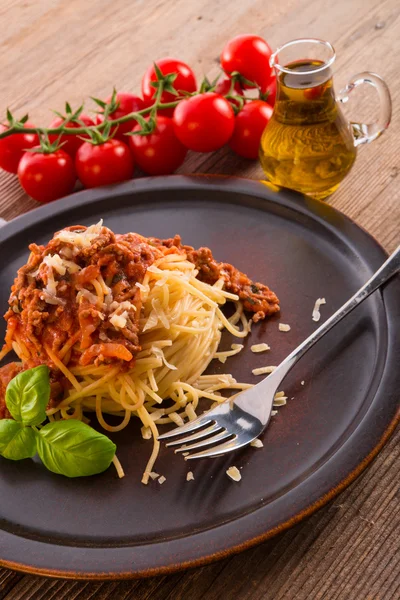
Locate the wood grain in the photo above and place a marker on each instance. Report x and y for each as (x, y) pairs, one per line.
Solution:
(54, 50)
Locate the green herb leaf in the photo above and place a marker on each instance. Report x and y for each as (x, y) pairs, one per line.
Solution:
(74, 449)
(28, 394)
(16, 442)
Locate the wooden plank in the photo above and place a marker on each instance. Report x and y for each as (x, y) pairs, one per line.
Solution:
(54, 50)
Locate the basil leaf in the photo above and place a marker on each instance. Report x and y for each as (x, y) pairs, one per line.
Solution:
(28, 394)
(74, 449)
(16, 442)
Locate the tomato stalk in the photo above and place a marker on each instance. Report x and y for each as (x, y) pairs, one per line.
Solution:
(18, 127)
(163, 83)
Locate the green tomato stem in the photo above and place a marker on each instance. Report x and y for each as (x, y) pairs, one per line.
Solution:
(82, 130)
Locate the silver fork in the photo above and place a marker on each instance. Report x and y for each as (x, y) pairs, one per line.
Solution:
(235, 423)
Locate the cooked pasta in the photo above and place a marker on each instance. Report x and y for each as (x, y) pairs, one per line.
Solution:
(128, 326)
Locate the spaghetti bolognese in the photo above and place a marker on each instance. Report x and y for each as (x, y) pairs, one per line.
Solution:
(127, 326)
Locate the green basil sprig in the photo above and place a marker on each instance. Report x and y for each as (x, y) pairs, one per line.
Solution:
(16, 441)
(69, 448)
(28, 394)
(74, 449)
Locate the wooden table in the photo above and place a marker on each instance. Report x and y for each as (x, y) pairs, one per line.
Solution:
(57, 50)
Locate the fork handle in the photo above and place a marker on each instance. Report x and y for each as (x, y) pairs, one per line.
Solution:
(383, 274)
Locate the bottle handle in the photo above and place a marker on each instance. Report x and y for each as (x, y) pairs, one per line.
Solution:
(364, 133)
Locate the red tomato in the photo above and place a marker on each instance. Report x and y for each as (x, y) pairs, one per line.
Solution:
(72, 142)
(98, 118)
(184, 82)
(314, 93)
(160, 152)
(249, 126)
(127, 103)
(103, 164)
(204, 122)
(271, 91)
(224, 85)
(13, 147)
(46, 177)
(249, 55)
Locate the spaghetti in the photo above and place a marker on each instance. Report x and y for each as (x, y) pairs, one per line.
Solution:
(127, 325)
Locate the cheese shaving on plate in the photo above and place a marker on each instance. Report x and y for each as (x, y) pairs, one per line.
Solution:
(263, 370)
(234, 473)
(256, 443)
(316, 315)
(260, 347)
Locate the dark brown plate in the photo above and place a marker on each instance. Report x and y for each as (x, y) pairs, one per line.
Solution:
(102, 527)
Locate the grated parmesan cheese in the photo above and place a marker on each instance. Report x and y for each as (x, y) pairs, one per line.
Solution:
(234, 473)
(190, 476)
(80, 239)
(281, 401)
(51, 287)
(51, 299)
(284, 327)
(162, 479)
(146, 432)
(256, 443)
(92, 298)
(263, 370)
(60, 265)
(121, 306)
(316, 315)
(235, 349)
(151, 321)
(161, 316)
(56, 262)
(119, 321)
(260, 347)
(153, 475)
(158, 352)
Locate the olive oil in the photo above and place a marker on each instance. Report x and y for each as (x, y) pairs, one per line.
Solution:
(307, 145)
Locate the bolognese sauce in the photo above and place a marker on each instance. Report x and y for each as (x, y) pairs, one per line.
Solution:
(77, 300)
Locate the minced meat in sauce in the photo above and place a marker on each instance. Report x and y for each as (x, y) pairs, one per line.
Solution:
(55, 306)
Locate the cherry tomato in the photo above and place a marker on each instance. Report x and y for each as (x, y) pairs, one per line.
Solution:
(271, 91)
(184, 82)
(72, 142)
(249, 55)
(249, 126)
(160, 152)
(13, 147)
(103, 164)
(127, 103)
(46, 177)
(314, 93)
(204, 122)
(224, 85)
